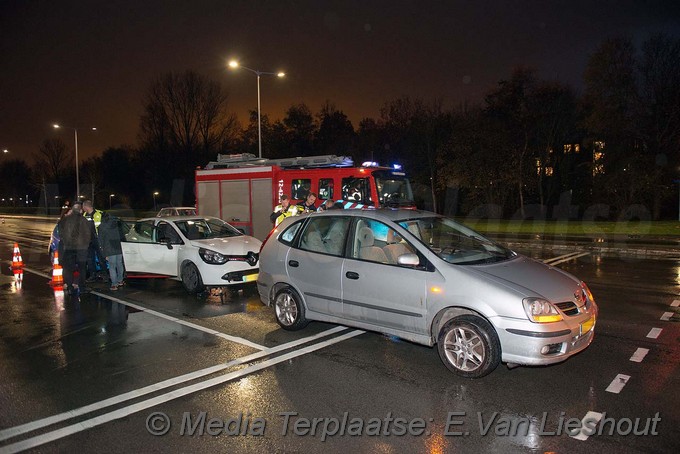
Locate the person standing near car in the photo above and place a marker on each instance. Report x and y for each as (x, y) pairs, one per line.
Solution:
(109, 240)
(75, 237)
(308, 205)
(94, 253)
(284, 210)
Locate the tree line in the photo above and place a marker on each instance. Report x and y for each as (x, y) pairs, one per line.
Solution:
(532, 148)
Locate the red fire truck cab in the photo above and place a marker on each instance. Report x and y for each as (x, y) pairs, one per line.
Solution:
(243, 189)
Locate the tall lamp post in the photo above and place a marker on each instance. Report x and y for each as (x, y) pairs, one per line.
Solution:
(110, 197)
(154, 200)
(75, 136)
(234, 64)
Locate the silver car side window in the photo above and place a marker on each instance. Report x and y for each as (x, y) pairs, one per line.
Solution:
(311, 238)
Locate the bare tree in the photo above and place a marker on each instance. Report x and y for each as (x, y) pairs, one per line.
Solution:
(52, 160)
(187, 112)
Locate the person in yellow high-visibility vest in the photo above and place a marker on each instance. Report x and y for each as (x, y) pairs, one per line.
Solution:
(284, 210)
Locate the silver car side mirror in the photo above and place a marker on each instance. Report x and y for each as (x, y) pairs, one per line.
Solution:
(408, 260)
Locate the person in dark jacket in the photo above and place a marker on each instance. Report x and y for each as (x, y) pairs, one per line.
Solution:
(109, 240)
(75, 237)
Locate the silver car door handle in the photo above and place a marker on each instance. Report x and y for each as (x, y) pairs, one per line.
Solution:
(352, 275)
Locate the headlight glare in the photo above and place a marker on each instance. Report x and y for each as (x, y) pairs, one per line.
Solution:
(540, 311)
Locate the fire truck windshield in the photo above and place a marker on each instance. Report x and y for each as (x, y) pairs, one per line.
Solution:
(394, 189)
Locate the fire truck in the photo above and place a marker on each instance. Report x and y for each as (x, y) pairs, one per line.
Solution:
(244, 190)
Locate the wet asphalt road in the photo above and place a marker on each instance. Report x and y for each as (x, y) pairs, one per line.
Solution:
(104, 366)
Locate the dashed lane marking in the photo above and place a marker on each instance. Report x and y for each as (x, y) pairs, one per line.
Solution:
(666, 316)
(591, 418)
(654, 333)
(618, 383)
(639, 355)
(675, 303)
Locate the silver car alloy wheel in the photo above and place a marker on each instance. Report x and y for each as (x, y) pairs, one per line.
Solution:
(286, 309)
(464, 349)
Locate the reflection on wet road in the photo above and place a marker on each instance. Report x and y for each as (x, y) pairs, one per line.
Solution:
(89, 372)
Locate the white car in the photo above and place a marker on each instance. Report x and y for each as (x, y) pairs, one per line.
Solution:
(176, 211)
(200, 251)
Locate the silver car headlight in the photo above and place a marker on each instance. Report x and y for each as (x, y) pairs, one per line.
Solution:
(541, 311)
(212, 257)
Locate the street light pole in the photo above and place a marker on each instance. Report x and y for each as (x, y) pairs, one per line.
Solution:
(234, 64)
(259, 121)
(75, 137)
(154, 200)
(111, 196)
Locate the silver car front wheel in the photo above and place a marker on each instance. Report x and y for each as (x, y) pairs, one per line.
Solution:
(468, 345)
(290, 313)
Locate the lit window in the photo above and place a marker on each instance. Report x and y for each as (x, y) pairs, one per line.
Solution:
(548, 171)
(577, 148)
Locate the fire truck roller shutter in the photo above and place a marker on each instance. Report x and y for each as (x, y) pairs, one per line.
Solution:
(235, 201)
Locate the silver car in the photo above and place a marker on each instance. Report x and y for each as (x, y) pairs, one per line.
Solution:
(427, 279)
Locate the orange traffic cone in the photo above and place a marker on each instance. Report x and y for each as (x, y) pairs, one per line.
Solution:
(57, 272)
(17, 261)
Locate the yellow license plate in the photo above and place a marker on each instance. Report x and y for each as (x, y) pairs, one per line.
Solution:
(250, 277)
(587, 325)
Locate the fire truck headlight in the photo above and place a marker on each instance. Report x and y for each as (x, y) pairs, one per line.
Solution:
(212, 257)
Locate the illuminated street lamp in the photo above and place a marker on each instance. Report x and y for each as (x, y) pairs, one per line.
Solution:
(75, 135)
(110, 197)
(5, 150)
(234, 64)
(154, 200)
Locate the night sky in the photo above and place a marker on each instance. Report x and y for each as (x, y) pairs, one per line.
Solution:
(90, 63)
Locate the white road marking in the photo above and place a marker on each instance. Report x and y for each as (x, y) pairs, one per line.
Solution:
(675, 303)
(163, 398)
(553, 263)
(639, 355)
(589, 418)
(654, 333)
(618, 383)
(666, 316)
(39, 424)
(561, 257)
(238, 340)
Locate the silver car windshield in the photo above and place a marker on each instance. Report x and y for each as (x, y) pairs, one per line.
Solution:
(200, 229)
(454, 242)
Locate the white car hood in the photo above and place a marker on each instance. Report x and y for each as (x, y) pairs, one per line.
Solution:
(238, 245)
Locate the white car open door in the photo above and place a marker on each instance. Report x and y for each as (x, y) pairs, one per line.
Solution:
(142, 253)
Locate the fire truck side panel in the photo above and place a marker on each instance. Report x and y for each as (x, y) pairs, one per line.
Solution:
(208, 196)
(261, 206)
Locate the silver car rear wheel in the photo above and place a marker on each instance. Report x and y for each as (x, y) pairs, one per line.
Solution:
(290, 313)
(468, 345)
